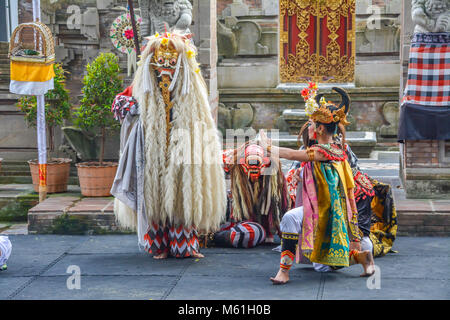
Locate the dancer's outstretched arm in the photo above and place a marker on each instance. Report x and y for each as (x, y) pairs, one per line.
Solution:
(287, 153)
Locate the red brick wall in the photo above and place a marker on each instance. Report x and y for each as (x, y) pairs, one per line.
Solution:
(422, 153)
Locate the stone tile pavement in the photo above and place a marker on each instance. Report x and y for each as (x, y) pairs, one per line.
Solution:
(112, 267)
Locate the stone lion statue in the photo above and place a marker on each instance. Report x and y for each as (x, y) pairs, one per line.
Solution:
(165, 15)
(431, 15)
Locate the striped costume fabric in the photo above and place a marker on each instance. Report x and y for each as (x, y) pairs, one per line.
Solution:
(240, 235)
(247, 235)
(179, 241)
(429, 70)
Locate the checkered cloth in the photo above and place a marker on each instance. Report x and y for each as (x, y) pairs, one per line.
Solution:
(429, 70)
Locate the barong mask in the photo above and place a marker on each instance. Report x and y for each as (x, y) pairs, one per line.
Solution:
(258, 186)
(171, 58)
(254, 161)
(165, 59)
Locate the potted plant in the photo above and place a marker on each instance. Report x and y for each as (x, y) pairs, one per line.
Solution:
(100, 86)
(57, 109)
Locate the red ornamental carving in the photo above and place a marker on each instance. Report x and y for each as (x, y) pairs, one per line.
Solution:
(317, 41)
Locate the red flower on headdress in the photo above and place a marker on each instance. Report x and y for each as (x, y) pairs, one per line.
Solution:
(305, 93)
(312, 86)
(129, 34)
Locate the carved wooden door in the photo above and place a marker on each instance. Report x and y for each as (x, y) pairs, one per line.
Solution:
(317, 41)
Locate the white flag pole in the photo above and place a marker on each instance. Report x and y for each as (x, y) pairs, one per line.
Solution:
(40, 120)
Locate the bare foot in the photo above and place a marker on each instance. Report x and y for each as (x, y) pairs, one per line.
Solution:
(282, 277)
(365, 258)
(161, 256)
(196, 254)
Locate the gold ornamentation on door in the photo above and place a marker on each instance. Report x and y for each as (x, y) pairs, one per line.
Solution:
(317, 41)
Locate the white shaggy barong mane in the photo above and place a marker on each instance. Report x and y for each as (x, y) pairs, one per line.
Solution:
(184, 180)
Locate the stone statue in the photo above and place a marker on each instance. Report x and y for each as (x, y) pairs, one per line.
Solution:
(431, 15)
(162, 15)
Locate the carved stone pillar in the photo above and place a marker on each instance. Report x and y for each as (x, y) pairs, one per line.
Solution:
(405, 43)
(204, 29)
(424, 157)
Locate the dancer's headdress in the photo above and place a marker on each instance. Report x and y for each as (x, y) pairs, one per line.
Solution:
(317, 107)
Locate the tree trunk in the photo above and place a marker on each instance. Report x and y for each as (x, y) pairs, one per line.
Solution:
(102, 146)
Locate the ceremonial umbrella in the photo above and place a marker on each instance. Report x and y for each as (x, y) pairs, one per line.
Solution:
(32, 73)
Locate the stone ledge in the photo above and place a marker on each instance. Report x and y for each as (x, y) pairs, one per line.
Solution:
(423, 218)
(72, 215)
(356, 92)
(427, 173)
(426, 188)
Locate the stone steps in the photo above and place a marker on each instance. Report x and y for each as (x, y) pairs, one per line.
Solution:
(15, 179)
(13, 172)
(15, 201)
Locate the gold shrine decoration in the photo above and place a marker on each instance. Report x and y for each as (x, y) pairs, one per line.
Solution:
(317, 41)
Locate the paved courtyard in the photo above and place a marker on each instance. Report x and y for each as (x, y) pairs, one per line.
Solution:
(112, 267)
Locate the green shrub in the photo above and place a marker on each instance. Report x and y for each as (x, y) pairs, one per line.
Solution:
(100, 86)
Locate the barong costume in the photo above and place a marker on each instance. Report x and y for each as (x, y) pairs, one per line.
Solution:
(170, 182)
(258, 188)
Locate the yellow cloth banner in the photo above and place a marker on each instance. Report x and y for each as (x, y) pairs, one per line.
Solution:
(29, 71)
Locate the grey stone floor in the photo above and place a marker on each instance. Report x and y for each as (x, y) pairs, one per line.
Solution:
(113, 268)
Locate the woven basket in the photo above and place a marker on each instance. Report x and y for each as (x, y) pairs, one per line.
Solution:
(40, 41)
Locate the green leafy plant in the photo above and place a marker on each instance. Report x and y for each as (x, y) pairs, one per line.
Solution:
(100, 86)
(57, 106)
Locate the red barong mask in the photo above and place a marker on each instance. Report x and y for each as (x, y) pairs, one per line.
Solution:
(254, 161)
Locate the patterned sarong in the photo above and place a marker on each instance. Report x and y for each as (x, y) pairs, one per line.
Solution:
(429, 70)
(330, 214)
(425, 107)
(331, 246)
(179, 242)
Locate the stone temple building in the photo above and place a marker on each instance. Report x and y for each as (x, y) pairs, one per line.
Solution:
(256, 56)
